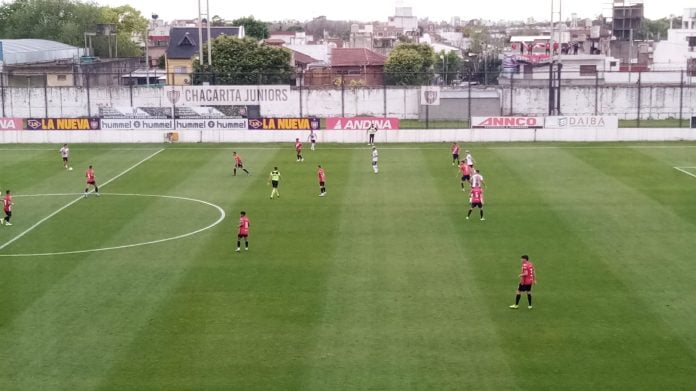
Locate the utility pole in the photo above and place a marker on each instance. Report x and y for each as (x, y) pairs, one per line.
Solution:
(630, 54)
(204, 14)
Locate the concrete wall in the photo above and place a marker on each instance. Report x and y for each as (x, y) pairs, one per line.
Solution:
(350, 136)
(656, 101)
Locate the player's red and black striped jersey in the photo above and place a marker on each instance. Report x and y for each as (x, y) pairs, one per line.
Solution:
(528, 277)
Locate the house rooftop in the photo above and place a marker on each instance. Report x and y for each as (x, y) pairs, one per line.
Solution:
(183, 41)
(356, 57)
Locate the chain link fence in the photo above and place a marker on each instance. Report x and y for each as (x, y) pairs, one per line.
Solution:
(639, 99)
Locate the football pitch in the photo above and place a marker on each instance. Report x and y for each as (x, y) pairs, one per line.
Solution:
(381, 285)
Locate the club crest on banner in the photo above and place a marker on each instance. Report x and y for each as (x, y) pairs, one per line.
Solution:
(430, 96)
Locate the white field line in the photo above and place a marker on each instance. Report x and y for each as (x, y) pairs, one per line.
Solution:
(444, 147)
(684, 171)
(74, 201)
(185, 235)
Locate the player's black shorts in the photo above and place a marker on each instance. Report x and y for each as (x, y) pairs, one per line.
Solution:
(275, 184)
(476, 205)
(314, 141)
(65, 159)
(466, 178)
(374, 163)
(239, 165)
(524, 288)
(455, 156)
(93, 183)
(321, 184)
(242, 236)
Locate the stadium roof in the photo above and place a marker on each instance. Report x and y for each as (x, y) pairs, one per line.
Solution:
(28, 51)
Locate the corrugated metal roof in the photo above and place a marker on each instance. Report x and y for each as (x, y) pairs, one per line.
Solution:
(27, 51)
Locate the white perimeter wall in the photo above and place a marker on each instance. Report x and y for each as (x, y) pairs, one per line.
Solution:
(350, 136)
(656, 102)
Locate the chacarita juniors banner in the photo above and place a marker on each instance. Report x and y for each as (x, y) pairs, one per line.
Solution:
(226, 95)
(361, 123)
(507, 122)
(582, 122)
(284, 123)
(11, 124)
(62, 124)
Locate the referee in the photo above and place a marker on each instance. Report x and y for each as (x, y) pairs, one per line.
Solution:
(274, 180)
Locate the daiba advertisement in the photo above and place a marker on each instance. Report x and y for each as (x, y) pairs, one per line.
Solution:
(361, 123)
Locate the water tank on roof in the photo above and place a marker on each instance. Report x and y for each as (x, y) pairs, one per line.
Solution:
(87, 60)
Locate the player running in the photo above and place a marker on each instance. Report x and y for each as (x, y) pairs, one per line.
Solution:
(313, 140)
(375, 160)
(274, 179)
(476, 201)
(322, 181)
(465, 172)
(65, 154)
(7, 207)
(298, 150)
(91, 181)
(527, 279)
(243, 231)
(455, 153)
(477, 179)
(238, 163)
(469, 159)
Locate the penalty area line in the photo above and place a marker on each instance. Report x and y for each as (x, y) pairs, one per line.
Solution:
(682, 169)
(69, 204)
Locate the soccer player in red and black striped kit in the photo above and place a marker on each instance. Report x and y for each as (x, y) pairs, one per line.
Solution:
(243, 232)
(238, 164)
(527, 279)
(91, 181)
(7, 207)
(298, 150)
(321, 175)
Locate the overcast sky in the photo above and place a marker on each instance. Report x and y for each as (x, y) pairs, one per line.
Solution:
(369, 10)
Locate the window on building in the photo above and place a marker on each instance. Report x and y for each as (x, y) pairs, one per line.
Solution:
(612, 63)
(692, 43)
(588, 70)
(62, 77)
(180, 69)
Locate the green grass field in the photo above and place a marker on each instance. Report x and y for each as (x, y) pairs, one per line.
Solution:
(381, 285)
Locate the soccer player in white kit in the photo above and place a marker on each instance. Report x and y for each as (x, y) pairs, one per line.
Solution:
(65, 154)
(375, 160)
(469, 159)
(477, 179)
(313, 139)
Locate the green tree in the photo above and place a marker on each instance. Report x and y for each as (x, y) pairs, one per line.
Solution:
(655, 29)
(448, 65)
(410, 64)
(67, 21)
(252, 27)
(244, 61)
(217, 21)
(128, 21)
